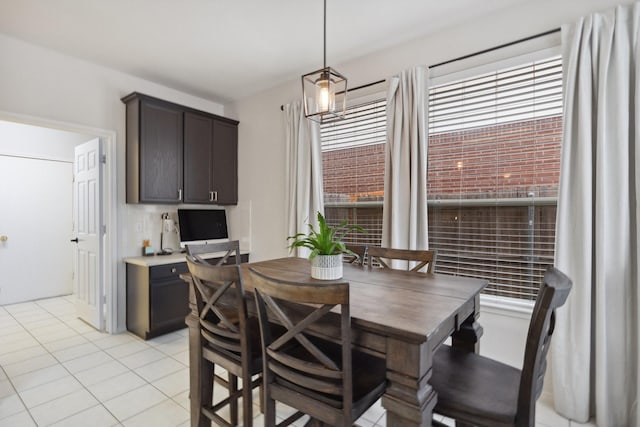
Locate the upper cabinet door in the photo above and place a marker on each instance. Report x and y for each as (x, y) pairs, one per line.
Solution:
(225, 162)
(154, 151)
(160, 154)
(198, 157)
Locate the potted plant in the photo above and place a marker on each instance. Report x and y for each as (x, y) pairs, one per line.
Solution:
(326, 247)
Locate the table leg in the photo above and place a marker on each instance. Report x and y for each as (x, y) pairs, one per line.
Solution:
(409, 398)
(467, 337)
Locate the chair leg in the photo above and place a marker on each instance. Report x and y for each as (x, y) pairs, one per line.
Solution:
(247, 401)
(269, 411)
(261, 394)
(203, 395)
(233, 404)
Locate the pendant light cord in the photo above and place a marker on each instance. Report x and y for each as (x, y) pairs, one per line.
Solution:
(325, 34)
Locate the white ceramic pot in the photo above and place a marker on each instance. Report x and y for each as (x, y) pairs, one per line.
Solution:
(326, 267)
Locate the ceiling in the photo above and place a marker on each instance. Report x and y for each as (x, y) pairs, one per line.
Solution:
(225, 50)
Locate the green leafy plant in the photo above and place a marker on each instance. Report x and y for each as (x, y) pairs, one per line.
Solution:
(326, 240)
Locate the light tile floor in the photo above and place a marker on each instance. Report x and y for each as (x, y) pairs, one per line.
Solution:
(56, 370)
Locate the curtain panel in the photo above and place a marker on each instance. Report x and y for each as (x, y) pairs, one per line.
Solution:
(404, 222)
(304, 196)
(595, 350)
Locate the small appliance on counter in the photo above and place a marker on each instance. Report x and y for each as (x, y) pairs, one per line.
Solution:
(168, 235)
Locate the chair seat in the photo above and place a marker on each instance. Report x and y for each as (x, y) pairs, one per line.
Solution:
(467, 384)
(368, 373)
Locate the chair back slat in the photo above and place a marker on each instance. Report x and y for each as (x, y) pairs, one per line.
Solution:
(358, 256)
(222, 332)
(308, 366)
(313, 369)
(423, 259)
(223, 344)
(231, 248)
(552, 295)
(306, 381)
(217, 289)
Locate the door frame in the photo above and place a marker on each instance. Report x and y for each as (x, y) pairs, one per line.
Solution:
(109, 200)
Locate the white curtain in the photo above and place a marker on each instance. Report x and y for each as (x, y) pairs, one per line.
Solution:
(404, 222)
(595, 347)
(304, 197)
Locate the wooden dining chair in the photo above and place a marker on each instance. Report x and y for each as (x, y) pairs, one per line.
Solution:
(229, 338)
(231, 255)
(479, 391)
(330, 382)
(358, 256)
(231, 249)
(424, 259)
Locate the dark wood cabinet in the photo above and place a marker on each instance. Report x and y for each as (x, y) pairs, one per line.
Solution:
(157, 298)
(225, 162)
(198, 158)
(154, 151)
(176, 154)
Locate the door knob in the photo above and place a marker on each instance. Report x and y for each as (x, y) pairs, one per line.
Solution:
(3, 238)
(74, 240)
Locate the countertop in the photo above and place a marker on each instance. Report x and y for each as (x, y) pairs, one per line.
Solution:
(150, 261)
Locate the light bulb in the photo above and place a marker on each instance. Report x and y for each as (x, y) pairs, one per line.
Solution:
(325, 94)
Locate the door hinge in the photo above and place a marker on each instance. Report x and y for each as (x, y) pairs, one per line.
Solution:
(103, 158)
(104, 229)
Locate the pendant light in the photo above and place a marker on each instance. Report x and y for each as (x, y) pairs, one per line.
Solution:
(324, 91)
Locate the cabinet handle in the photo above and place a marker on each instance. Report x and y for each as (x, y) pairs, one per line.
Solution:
(180, 194)
(213, 196)
(173, 270)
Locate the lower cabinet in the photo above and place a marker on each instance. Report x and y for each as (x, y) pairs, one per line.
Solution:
(157, 298)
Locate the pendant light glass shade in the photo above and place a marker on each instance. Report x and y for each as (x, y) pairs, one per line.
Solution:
(325, 95)
(324, 91)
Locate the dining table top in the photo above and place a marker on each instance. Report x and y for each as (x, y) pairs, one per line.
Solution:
(417, 307)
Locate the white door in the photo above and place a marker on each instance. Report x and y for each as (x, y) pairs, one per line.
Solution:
(89, 232)
(36, 258)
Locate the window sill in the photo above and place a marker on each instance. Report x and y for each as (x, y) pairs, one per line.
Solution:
(506, 306)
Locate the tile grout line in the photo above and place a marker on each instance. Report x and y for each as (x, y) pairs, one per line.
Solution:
(9, 378)
(65, 368)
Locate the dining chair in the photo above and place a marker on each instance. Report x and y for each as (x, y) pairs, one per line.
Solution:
(229, 338)
(479, 391)
(329, 381)
(230, 249)
(358, 256)
(383, 256)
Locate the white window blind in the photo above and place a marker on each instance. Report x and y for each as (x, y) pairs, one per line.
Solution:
(362, 125)
(353, 170)
(493, 168)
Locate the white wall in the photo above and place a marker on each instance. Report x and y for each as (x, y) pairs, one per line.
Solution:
(18, 139)
(40, 84)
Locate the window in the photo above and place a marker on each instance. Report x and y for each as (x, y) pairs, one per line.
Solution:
(493, 168)
(353, 170)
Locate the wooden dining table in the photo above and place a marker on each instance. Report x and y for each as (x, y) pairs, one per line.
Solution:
(398, 315)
